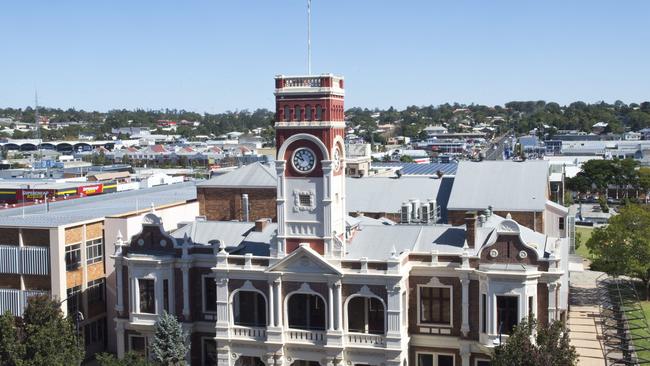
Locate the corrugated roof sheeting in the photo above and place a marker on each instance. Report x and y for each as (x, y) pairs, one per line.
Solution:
(419, 169)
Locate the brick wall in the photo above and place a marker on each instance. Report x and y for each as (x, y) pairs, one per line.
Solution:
(73, 234)
(542, 303)
(37, 282)
(95, 230)
(95, 271)
(10, 281)
(225, 204)
(414, 281)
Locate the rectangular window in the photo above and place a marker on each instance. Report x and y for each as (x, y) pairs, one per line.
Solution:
(147, 296)
(435, 305)
(484, 313)
(94, 251)
(507, 311)
(72, 257)
(95, 332)
(209, 352)
(96, 291)
(307, 112)
(210, 295)
(287, 113)
(73, 299)
(305, 200)
(561, 223)
(424, 359)
(166, 295)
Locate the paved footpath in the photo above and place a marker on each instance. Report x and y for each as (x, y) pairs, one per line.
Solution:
(584, 323)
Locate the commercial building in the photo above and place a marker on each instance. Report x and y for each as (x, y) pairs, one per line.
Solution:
(62, 249)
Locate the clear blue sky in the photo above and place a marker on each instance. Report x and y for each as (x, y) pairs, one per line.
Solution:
(218, 55)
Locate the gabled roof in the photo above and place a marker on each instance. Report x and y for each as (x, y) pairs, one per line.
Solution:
(504, 185)
(256, 175)
(304, 260)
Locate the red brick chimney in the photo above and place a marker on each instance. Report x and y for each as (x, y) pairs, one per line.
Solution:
(261, 224)
(470, 224)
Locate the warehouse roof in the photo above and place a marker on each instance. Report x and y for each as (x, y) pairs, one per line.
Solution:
(504, 185)
(96, 207)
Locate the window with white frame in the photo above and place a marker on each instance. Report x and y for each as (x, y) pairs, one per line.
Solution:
(435, 305)
(209, 295)
(94, 251)
(72, 257)
(435, 359)
(146, 290)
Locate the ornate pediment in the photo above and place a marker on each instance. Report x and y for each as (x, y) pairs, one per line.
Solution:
(304, 260)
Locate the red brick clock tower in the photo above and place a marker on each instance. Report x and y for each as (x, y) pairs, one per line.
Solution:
(310, 163)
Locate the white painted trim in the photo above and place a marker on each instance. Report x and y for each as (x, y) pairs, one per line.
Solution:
(451, 305)
(435, 359)
(303, 136)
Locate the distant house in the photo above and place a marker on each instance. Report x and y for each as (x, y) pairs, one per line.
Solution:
(600, 127)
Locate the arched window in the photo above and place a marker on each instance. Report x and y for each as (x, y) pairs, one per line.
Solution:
(298, 113)
(287, 113)
(319, 114)
(366, 315)
(307, 112)
(306, 311)
(249, 309)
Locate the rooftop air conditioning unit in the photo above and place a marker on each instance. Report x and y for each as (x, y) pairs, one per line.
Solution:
(405, 213)
(425, 214)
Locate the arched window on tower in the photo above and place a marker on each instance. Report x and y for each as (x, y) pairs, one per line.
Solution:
(298, 113)
(307, 112)
(319, 114)
(287, 113)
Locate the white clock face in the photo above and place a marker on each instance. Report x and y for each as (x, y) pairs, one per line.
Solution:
(337, 159)
(304, 160)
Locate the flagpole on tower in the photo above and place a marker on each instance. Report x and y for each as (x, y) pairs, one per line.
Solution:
(308, 37)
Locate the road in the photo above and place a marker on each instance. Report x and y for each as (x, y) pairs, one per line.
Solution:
(493, 153)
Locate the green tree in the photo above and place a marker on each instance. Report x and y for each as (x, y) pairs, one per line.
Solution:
(11, 349)
(169, 345)
(49, 338)
(130, 359)
(406, 159)
(531, 344)
(643, 181)
(623, 246)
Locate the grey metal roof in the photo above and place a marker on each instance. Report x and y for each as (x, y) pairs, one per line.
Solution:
(420, 169)
(230, 233)
(249, 176)
(377, 242)
(386, 194)
(96, 207)
(504, 185)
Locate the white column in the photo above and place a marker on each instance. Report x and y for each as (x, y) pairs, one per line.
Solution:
(278, 303)
(330, 307)
(271, 305)
(338, 305)
(223, 319)
(119, 306)
(119, 330)
(186, 291)
(464, 328)
(552, 303)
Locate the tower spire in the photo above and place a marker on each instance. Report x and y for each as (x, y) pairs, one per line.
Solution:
(308, 37)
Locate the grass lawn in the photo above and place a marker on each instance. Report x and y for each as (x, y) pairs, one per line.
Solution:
(585, 234)
(643, 332)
